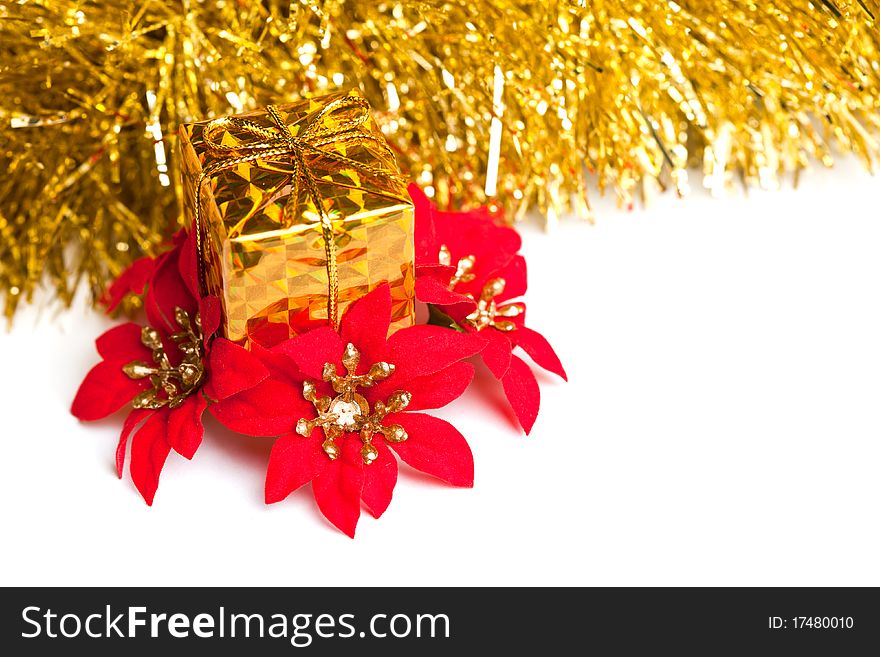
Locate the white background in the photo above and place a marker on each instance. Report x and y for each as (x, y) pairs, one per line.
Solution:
(721, 427)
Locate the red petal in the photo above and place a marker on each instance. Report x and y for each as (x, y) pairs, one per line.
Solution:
(435, 447)
(338, 487)
(294, 461)
(442, 273)
(122, 342)
(522, 392)
(515, 279)
(270, 334)
(105, 390)
(149, 449)
(538, 349)
(423, 349)
(432, 286)
(132, 280)
(425, 233)
(134, 418)
(366, 323)
(279, 365)
(232, 369)
(270, 408)
(496, 354)
(311, 350)
(209, 311)
(436, 390)
(187, 263)
(380, 477)
(507, 240)
(185, 428)
(167, 291)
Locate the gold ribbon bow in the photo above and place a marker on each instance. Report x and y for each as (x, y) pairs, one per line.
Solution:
(279, 141)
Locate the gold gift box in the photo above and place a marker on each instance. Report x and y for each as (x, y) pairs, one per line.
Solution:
(262, 250)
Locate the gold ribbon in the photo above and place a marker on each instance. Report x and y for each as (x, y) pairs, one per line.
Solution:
(279, 141)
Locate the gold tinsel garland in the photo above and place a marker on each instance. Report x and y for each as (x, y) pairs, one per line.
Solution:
(520, 103)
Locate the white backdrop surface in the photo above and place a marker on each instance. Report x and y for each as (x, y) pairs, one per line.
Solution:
(720, 427)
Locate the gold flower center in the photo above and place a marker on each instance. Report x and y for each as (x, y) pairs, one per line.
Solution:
(349, 411)
(487, 313)
(178, 382)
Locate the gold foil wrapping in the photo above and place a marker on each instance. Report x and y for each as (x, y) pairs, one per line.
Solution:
(263, 251)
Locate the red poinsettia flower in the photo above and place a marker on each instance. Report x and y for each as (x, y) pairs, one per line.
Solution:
(341, 403)
(162, 369)
(467, 266)
(438, 233)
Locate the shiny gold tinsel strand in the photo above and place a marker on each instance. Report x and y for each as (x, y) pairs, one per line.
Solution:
(522, 104)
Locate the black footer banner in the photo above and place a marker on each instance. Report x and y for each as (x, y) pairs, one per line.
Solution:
(427, 621)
